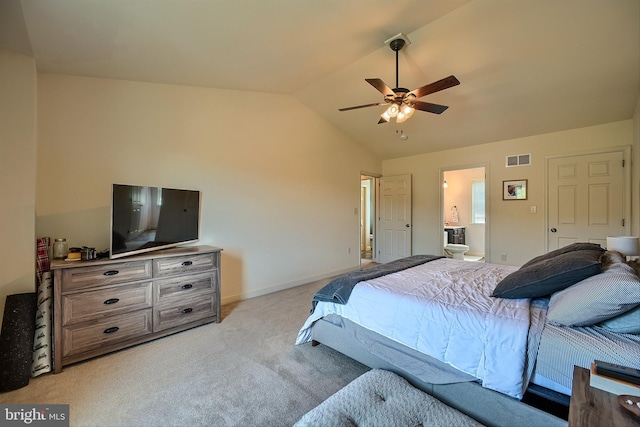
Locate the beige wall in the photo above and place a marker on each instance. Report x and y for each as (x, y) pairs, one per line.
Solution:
(512, 229)
(17, 174)
(278, 194)
(279, 184)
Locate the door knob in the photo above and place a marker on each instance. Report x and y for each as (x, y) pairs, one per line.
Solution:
(407, 226)
(553, 230)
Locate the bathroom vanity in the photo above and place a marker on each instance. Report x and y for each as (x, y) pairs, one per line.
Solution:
(455, 235)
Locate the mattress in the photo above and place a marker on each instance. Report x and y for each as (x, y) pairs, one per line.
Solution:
(420, 365)
(559, 350)
(562, 347)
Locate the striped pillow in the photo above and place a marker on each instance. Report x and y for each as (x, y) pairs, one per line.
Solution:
(606, 295)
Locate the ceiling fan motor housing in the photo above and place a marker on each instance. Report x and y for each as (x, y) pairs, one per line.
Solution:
(397, 44)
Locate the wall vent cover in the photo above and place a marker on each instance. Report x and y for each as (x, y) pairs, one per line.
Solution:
(518, 160)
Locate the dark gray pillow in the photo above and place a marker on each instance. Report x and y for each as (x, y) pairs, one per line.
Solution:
(551, 275)
(563, 250)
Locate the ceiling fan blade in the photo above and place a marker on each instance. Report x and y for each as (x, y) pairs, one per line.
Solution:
(381, 87)
(382, 120)
(445, 83)
(429, 107)
(361, 106)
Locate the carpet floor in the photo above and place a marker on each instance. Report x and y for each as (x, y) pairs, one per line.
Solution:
(244, 371)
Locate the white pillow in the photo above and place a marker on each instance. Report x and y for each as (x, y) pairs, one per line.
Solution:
(597, 298)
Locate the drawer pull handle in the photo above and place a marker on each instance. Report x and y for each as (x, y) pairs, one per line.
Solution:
(187, 310)
(112, 301)
(111, 273)
(187, 263)
(111, 330)
(189, 286)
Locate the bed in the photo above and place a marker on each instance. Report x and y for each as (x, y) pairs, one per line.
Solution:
(479, 335)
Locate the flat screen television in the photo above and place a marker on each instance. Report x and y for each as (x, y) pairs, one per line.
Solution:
(146, 218)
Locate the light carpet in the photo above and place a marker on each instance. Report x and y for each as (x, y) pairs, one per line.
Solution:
(244, 371)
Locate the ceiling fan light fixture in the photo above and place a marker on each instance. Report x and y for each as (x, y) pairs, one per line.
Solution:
(393, 110)
(404, 114)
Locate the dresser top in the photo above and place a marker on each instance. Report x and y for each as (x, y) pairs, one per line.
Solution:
(163, 253)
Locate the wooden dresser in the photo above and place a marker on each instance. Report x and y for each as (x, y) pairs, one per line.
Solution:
(106, 305)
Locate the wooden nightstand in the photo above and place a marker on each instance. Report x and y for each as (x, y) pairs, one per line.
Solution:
(591, 406)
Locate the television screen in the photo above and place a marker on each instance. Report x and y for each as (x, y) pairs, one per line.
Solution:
(145, 218)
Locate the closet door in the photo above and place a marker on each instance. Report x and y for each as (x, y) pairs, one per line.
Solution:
(586, 199)
(394, 219)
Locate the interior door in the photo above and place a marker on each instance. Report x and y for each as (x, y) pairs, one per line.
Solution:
(586, 202)
(394, 219)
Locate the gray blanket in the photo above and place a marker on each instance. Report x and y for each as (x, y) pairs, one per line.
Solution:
(339, 289)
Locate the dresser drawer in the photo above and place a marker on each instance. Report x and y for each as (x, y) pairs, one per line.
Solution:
(98, 304)
(182, 287)
(106, 274)
(186, 311)
(95, 334)
(163, 267)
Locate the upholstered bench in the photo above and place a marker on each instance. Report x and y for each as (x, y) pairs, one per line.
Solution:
(382, 398)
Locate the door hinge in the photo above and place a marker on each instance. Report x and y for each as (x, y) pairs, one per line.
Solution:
(623, 222)
(623, 161)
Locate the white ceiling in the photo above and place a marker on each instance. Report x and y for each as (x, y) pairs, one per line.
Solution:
(526, 67)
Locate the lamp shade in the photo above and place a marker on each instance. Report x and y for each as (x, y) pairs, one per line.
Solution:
(626, 245)
(393, 110)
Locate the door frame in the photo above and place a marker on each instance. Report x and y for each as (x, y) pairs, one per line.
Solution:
(626, 184)
(375, 178)
(487, 203)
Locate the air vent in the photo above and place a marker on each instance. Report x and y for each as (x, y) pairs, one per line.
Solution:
(518, 160)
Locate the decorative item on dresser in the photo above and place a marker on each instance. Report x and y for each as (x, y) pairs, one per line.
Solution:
(102, 305)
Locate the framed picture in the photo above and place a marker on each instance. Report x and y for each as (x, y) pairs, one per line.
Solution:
(514, 190)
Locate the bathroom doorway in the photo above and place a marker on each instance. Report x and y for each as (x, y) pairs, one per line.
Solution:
(368, 185)
(464, 207)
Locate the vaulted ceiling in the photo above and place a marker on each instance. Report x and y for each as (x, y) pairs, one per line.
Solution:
(525, 67)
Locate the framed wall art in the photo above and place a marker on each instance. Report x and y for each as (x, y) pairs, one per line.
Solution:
(514, 190)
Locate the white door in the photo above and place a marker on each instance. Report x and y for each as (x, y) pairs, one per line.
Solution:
(394, 219)
(586, 202)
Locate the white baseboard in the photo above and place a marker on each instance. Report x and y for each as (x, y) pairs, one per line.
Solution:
(281, 287)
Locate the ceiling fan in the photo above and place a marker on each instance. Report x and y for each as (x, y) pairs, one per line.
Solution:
(404, 102)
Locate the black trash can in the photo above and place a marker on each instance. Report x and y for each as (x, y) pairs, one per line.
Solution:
(16, 341)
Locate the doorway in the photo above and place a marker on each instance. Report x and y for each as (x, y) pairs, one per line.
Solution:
(368, 185)
(464, 207)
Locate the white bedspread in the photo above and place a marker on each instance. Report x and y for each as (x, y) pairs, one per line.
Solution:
(443, 308)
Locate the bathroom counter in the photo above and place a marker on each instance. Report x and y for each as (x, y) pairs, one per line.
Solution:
(455, 234)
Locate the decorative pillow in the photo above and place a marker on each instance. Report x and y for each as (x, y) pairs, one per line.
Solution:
(626, 323)
(604, 296)
(549, 276)
(563, 250)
